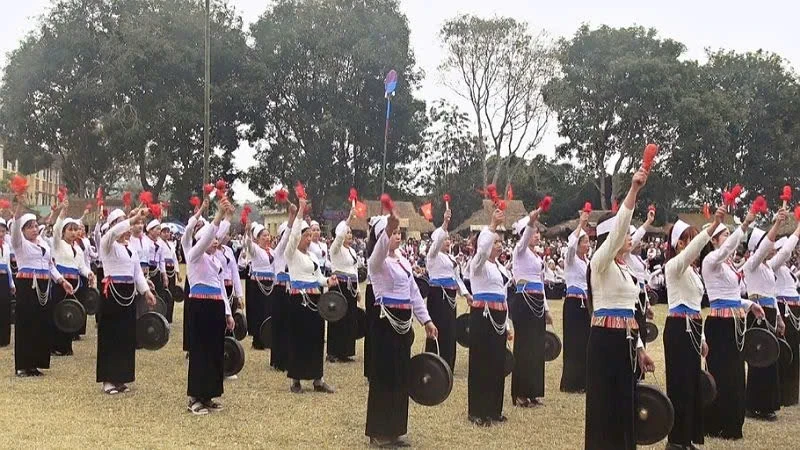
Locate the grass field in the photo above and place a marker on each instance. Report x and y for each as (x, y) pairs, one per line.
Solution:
(65, 408)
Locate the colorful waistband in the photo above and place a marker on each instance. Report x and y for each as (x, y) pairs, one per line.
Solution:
(614, 312)
(531, 287)
(283, 277)
(206, 292)
(766, 302)
(728, 313)
(305, 285)
(446, 283)
(262, 276)
(493, 301)
(70, 273)
(627, 323)
(396, 303)
(29, 274)
(683, 315)
(683, 309)
(314, 291)
(575, 291)
(791, 301)
(725, 304)
(346, 277)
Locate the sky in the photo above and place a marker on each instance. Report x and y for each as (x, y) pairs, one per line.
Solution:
(698, 24)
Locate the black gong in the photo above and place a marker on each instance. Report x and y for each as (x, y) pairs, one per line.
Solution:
(152, 331)
(552, 346)
(424, 287)
(265, 332)
(332, 306)
(240, 325)
(708, 387)
(69, 316)
(90, 299)
(508, 363)
(361, 323)
(651, 332)
(234, 356)
(430, 379)
(178, 295)
(761, 348)
(654, 415)
(462, 330)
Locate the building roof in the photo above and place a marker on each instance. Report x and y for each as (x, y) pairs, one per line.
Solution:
(515, 210)
(410, 219)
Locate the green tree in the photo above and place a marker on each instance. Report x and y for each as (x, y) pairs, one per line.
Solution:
(618, 91)
(500, 68)
(321, 103)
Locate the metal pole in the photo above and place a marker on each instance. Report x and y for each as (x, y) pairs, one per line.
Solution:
(385, 143)
(207, 96)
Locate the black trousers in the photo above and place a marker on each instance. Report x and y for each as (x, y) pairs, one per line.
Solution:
(33, 328)
(576, 319)
(486, 379)
(372, 312)
(387, 401)
(724, 417)
(527, 381)
(763, 386)
(610, 390)
(116, 336)
(443, 316)
(207, 349)
(682, 363)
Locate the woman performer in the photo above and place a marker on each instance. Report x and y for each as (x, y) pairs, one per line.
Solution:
(306, 327)
(724, 417)
(763, 387)
(279, 353)
(230, 271)
(210, 317)
(614, 348)
(116, 328)
(7, 288)
(71, 264)
(575, 313)
(262, 276)
(789, 304)
(397, 296)
(344, 262)
(446, 283)
(187, 242)
(319, 248)
(170, 267)
(33, 329)
(157, 266)
(639, 272)
(684, 340)
(489, 327)
(370, 308)
(531, 314)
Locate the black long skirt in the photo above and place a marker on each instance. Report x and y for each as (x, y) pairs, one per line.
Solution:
(610, 391)
(5, 310)
(207, 349)
(33, 328)
(306, 339)
(80, 290)
(171, 288)
(641, 319)
(342, 334)
(100, 274)
(724, 417)
(763, 387)
(158, 283)
(790, 373)
(527, 380)
(387, 401)
(372, 312)
(485, 380)
(576, 337)
(116, 337)
(279, 352)
(59, 341)
(187, 307)
(682, 364)
(258, 307)
(444, 317)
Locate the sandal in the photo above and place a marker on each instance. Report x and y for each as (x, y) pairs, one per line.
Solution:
(112, 390)
(522, 402)
(23, 373)
(197, 408)
(324, 387)
(213, 406)
(122, 388)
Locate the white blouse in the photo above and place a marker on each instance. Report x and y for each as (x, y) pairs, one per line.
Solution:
(487, 277)
(65, 255)
(230, 269)
(442, 265)
(343, 259)
(785, 284)
(119, 260)
(279, 264)
(575, 266)
(392, 277)
(721, 279)
(303, 267)
(684, 285)
(203, 268)
(758, 275)
(32, 255)
(612, 283)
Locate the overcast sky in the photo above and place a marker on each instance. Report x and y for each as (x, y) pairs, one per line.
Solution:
(699, 24)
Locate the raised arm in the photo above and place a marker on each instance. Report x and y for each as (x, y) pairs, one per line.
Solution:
(437, 241)
(640, 233)
(767, 244)
(786, 251)
(605, 254)
(381, 250)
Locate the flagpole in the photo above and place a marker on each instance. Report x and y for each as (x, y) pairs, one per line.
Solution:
(207, 93)
(385, 142)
